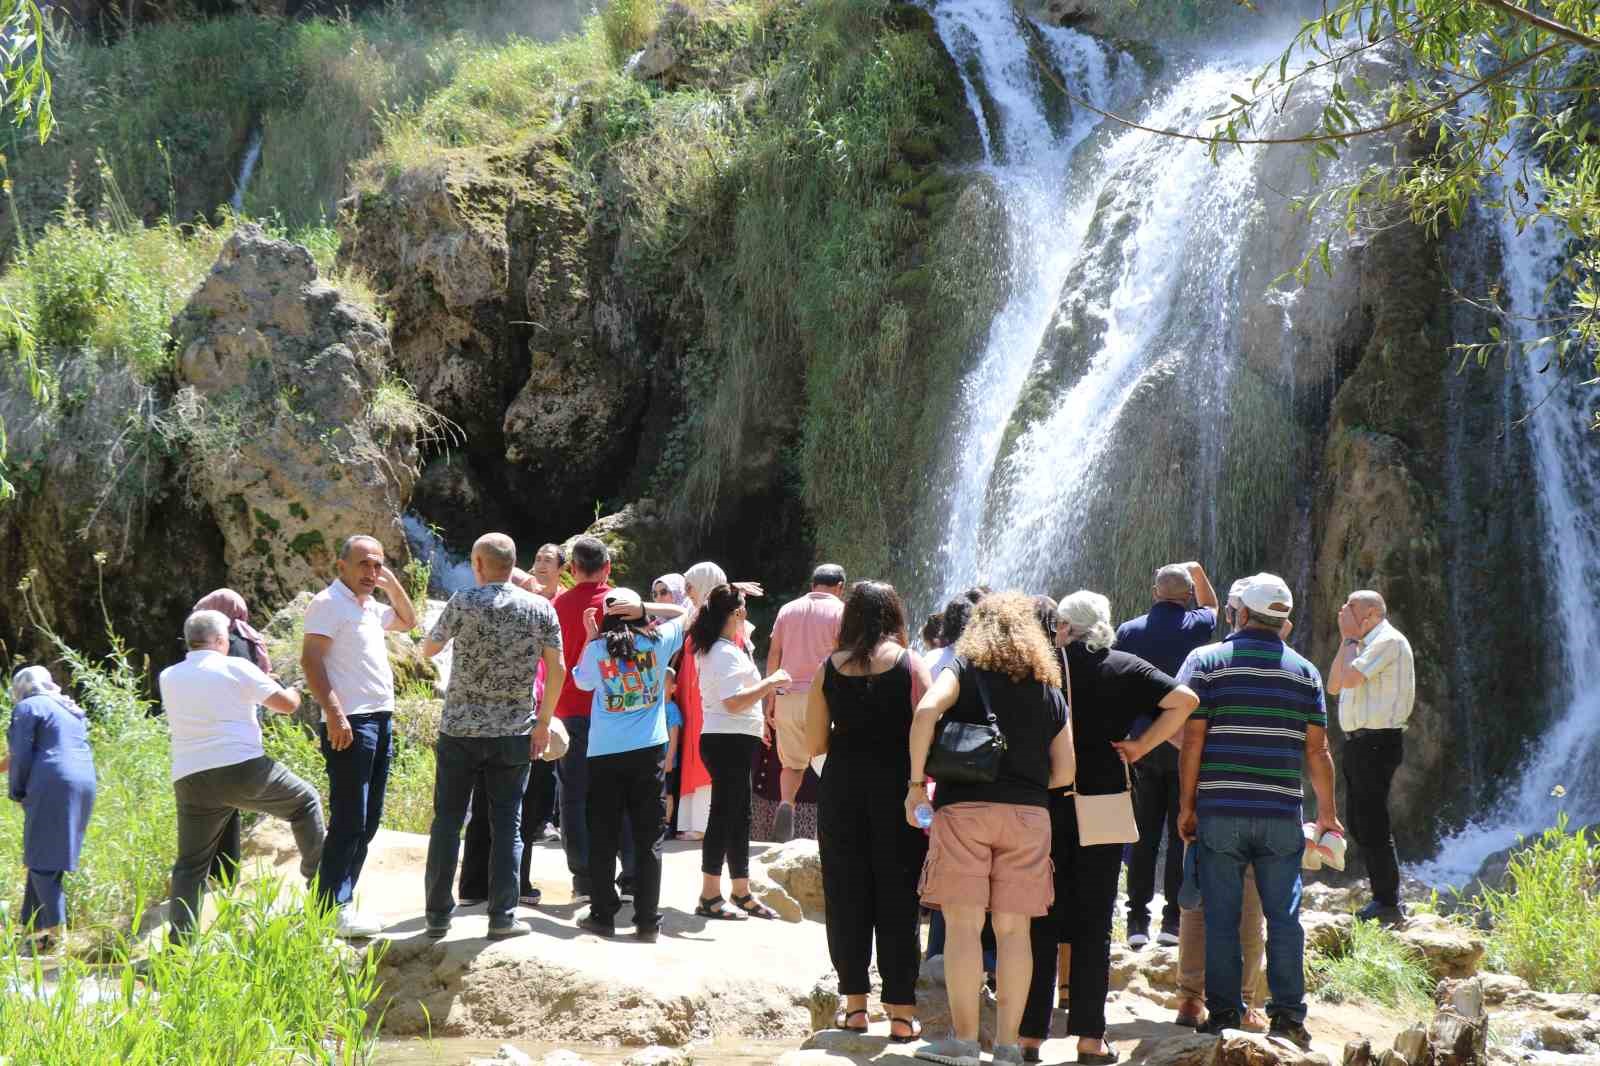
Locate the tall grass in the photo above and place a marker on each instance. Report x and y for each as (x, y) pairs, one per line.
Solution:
(1374, 966)
(262, 984)
(1546, 921)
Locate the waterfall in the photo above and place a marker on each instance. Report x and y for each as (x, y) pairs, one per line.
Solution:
(450, 573)
(1128, 275)
(247, 169)
(1558, 775)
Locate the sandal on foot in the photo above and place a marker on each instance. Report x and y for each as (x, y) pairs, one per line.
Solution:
(1092, 1058)
(913, 1030)
(753, 907)
(842, 1020)
(715, 908)
(1061, 996)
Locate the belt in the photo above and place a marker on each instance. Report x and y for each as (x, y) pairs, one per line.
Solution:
(1375, 734)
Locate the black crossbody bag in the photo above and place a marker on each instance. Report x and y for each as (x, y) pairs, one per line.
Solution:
(968, 753)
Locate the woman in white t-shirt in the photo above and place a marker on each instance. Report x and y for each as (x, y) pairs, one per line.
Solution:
(732, 692)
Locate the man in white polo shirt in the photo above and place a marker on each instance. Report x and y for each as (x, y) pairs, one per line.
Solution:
(218, 765)
(346, 663)
(1374, 675)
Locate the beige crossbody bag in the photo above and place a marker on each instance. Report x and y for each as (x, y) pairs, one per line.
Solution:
(1104, 819)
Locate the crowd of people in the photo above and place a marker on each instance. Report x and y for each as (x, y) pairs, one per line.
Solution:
(996, 779)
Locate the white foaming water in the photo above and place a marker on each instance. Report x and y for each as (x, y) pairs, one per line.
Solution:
(247, 169)
(450, 572)
(1559, 774)
(1028, 160)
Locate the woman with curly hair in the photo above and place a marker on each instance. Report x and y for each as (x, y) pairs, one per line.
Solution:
(990, 846)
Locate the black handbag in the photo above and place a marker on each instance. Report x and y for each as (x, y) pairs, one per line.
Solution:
(968, 753)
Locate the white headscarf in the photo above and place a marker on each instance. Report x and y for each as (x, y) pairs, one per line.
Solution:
(1089, 616)
(702, 578)
(36, 681)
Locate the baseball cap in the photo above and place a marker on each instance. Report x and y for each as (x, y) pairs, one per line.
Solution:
(1267, 595)
(1233, 593)
(623, 598)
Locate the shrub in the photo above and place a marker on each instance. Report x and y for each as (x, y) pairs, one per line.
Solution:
(628, 24)
(1374, 966)
(408, 800)
(261, 984)
(1546, 922)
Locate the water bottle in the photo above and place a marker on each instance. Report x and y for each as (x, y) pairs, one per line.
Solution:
(924, 815)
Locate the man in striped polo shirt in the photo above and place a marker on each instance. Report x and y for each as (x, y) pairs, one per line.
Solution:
(1260, 729)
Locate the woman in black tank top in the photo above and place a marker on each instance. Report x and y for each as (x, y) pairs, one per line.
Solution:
(860, 715)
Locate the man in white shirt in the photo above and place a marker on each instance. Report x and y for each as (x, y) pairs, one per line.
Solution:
(1374, 676)
(346, 662)
(218, 764)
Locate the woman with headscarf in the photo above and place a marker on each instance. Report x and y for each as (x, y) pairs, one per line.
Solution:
(52, 776)
(671, 588)
(244, 642)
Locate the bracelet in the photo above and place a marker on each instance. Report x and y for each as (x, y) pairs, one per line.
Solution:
(923, 783)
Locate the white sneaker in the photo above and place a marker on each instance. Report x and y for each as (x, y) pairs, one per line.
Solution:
(353, 925)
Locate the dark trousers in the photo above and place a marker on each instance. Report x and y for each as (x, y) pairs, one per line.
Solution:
(871, 862)
(1086, 897)
(225, 864)
(627, 788)
(1155, 805)
(503, 762)
(357, 778)
(44, 900)
(210, 799)
(1370, 762)
(572, 771)
(730, 758)
(538, 804)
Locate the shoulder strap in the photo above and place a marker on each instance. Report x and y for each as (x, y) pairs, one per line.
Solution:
(983, 696)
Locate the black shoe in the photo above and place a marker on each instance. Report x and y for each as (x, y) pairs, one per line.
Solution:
(1286, 1028)
(1138, 932)
(647, 934)
(472, 901)
(1169, 935)
(437, 930)
(1220, 1020)
(590, 924)
(1382, 913)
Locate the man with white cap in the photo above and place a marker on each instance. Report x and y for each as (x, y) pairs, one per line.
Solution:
(1374, 676)
(1260, 730)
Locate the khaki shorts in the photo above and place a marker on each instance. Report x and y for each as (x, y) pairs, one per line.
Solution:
(991, 855)
(793, 752)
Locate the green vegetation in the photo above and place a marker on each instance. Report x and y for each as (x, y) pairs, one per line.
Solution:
(262, 984)
(1373, 966)
(1546, 921)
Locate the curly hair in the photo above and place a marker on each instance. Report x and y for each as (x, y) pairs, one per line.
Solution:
(1004, 637)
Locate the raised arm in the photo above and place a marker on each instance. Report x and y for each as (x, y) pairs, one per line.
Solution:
(1204, 594)
(405, 615)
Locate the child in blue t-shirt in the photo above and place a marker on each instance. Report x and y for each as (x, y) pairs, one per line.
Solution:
(674, 735)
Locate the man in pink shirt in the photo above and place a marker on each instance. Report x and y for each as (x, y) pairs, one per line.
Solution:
(805, 633)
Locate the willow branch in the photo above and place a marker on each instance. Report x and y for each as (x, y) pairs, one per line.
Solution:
(1559, 29)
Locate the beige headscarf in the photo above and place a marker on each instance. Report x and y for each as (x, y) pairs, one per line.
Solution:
(702, 578)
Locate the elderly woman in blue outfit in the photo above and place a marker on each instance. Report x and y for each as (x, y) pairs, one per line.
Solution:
(52, 776)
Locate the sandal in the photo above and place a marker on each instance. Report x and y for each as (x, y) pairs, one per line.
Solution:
(1061, 996)
(753, 907)
(913, 1027)
(713, 908)
(842, 1021)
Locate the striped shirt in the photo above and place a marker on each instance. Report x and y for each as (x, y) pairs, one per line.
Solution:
(1386, 699)
(1258, 698)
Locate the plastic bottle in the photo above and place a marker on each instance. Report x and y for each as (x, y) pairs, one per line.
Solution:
(924, 815)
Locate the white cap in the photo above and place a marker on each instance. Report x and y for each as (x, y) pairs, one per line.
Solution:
(1267, 596)
(623, 598)
(1233, 593)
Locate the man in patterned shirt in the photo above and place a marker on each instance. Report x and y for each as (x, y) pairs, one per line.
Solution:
(501, 634)
(1260, 729)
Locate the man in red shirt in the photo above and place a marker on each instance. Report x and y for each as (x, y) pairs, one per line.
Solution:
(591, 566)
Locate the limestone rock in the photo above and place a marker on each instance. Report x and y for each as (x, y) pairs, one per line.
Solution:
(842, 1043)
(1465, 997)
(506, 1055)
(1192, 1049)
(295, 438)
(558, 1058)
(1392, 1058)
(1326, 933)
(642, 543)
(656, 1055)
(798, 868)
(1078, 13)
(814, 1058)
(933, 1003)
(1125, 965)
(1457, 1041)
(1498, 987)
(1451, 949)
(1160, 967)
(683, 49)
(1358, 1053)
(1249, 1049)
(787, 907)
(1412, 1044)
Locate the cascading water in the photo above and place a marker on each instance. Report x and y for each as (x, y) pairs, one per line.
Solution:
(247, 169)
(449, 573)
(1128, 267)
(1558, 776)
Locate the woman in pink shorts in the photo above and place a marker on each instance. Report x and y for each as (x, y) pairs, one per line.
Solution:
(990, 847)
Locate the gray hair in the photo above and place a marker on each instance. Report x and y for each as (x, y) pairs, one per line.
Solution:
(1088, 618)
(203, 628)
(348, 543)
(1369, 599)
(498, 552)
(1173, 581)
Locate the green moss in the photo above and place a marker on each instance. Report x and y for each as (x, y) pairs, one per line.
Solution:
(266, 521)
(259, 546)
(299, 511)
(306, 543)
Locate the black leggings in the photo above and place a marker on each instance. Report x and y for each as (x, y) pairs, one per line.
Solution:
(1086, 896)
(730, 758)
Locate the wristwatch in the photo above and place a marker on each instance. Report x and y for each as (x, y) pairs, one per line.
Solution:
(1353, 640)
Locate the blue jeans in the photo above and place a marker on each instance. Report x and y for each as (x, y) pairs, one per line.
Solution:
(503, 762)
(572, 772)
(357, 778)
(1273, 846)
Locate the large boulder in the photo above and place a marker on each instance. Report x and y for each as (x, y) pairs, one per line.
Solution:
(1451, 950)
(798, 868)
(296, 437)
(1249, 1049)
